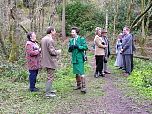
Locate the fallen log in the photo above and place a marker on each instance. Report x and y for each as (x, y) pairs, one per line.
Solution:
(139, 57)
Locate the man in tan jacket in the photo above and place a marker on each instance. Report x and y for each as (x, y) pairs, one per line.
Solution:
(49, 59)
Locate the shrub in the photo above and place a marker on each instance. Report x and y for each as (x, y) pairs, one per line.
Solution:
(13, 71)
(83, 15)
(142, 77)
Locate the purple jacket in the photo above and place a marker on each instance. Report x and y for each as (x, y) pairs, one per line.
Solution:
(32, 55)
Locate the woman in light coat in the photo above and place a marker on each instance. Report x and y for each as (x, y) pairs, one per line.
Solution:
(99, 52)
(119, 59)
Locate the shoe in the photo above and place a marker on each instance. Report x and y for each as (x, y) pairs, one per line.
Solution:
(53, 91)
(84, 90)
(83, 86)
(126, 74)
(102, 75)
(51, 95)
(106, 72)
(78, 83)
(123, 69)
(120, 67)
(96, 75)
(77, 88)
(34, 90)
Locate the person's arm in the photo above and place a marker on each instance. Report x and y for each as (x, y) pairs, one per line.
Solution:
(52, 50)
(30, 51)
(83, 45)
(71, 47)
(127, 44)
(99, 43)
(109, 53)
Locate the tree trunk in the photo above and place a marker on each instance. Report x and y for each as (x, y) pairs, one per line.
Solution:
(115, 17)
(130, 8)
(3, 45)
(13, 35)
(148, 19)
(143, 23)
(106, 27)
(63, 20)
(140, 16)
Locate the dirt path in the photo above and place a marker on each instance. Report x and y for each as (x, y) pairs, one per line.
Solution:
(103, 97)
(115, 102)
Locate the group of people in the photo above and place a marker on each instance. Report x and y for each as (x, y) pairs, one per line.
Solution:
(46, 56)
(102, 52)
(124, 51)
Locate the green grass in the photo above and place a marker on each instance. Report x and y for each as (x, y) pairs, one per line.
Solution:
(15, 97)
(136, 85)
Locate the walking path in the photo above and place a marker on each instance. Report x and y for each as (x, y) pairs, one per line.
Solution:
(103, 97)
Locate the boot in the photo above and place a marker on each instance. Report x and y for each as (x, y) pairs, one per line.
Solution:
(78, 81)
(96, 74)
(49, 90)
(83, 85)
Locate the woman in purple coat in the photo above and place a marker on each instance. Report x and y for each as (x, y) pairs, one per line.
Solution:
(33, 59)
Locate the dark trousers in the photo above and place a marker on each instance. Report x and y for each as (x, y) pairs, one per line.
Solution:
(132, 64)
(127, 62)
(99, 63)
(32, 78)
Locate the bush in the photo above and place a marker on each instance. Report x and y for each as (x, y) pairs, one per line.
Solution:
(142, 77)
(83, 15)
(14, 71)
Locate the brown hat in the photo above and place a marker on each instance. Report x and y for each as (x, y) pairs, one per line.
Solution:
(103, 31)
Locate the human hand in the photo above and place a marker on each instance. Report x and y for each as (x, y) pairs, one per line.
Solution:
(121, 50)
(105, 46)
(58, 51)
(39, 49)
(103, 43)
(75, 46)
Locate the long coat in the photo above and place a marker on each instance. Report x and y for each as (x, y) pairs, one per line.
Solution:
(127, 44)
(49, 53)
(78, 54)
(107, 50)
(119, 59)
(32, 55)
(99, 47)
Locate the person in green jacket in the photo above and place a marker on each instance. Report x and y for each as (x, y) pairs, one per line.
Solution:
(77, 46)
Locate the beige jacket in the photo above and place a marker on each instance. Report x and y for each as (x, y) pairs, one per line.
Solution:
(49, 53)
(99, 47)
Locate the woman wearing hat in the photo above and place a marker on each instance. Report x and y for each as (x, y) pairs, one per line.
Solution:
(33, 59)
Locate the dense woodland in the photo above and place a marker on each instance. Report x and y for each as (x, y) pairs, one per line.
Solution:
(17, 17)
(20, 16)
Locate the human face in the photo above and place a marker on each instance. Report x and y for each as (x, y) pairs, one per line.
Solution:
(73, 33)
(53, 32)
(33, 37)
(125, 31)
(99, 32)
(104, 34)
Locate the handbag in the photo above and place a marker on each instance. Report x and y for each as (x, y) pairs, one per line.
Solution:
(85, 58)
(105, 60)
